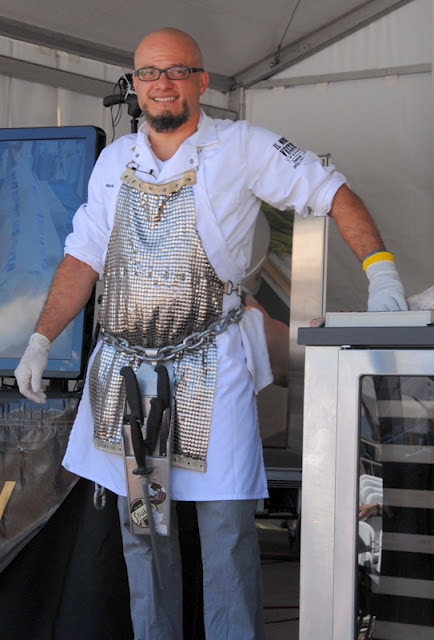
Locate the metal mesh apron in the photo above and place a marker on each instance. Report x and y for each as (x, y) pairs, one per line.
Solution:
(159, 288)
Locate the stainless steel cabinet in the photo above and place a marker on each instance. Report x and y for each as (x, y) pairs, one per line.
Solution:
(368, 410)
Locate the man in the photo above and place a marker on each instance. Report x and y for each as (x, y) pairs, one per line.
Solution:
(169, 225)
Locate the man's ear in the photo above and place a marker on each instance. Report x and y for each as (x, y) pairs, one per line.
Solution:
(203, 82)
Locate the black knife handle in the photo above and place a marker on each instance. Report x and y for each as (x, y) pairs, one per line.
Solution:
(136, 419)
(163, 385)
(153, 424)
(139, 448)
(133, 392)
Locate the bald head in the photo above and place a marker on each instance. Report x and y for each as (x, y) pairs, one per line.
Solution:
(166, 40)
(171, 106)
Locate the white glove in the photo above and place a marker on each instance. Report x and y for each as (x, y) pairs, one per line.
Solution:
(31, 367)
(386, 292)
(422, 300)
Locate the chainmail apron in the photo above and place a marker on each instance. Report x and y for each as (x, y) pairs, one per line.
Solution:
(159, 288)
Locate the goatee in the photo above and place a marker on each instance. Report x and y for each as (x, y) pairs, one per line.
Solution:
(167, 121)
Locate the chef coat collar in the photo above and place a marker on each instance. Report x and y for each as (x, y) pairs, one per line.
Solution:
(205, 135)
(185, 158)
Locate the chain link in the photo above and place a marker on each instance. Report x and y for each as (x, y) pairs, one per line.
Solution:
(168, 352)
(99, 497)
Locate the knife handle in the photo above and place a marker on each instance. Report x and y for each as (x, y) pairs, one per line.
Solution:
(136, 419)
(163, 384)
(139, 448)
(153, 424)
(133, 392)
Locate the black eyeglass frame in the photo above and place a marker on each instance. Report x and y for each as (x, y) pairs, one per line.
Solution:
(166, 71)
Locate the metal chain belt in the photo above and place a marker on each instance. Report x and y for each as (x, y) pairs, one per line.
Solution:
(190, 343)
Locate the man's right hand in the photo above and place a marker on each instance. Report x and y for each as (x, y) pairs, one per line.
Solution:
(31, 367)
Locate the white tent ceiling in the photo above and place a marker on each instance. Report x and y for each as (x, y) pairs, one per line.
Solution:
(244, 41)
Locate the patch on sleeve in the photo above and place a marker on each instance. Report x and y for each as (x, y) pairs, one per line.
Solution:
(293, 154)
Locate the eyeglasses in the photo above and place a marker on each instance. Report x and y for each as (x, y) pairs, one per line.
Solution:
(179, 72)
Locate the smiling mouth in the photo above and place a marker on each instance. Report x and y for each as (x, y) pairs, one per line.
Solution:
(164, 99)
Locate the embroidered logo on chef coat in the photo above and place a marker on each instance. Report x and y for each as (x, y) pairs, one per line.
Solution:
(293, 154)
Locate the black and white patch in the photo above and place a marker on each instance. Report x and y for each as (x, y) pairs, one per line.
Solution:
(292, 154)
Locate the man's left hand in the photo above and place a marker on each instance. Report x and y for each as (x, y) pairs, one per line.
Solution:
(386, 292)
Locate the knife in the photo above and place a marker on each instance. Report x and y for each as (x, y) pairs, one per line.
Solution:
(141, 449)
(163, 393)
(158, 406)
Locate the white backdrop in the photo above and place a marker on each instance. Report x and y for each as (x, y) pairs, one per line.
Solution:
(379, 132)
(31, 104)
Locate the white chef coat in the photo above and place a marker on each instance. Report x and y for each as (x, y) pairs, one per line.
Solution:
(237, 165)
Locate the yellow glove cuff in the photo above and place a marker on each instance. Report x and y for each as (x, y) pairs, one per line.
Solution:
(378, 256)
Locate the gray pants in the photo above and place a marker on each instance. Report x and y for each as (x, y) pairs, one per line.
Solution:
(232, 580)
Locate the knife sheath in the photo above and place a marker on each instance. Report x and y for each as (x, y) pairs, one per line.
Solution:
(147, 464)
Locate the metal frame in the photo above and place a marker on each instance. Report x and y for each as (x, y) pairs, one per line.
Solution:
(317, 40)
(308, 286)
